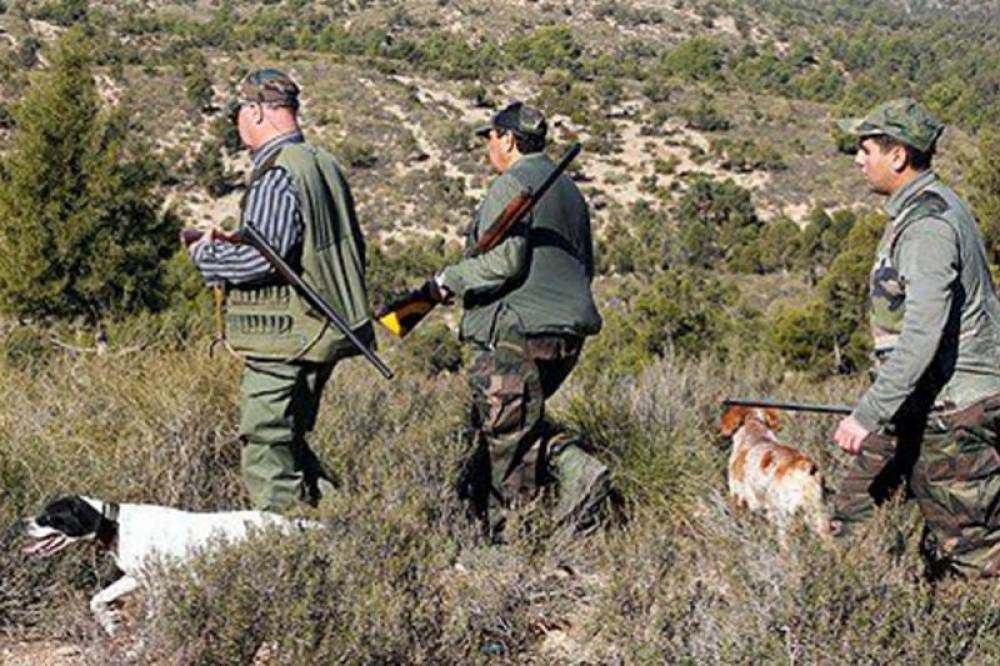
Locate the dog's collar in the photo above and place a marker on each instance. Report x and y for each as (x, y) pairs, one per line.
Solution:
(107, 527)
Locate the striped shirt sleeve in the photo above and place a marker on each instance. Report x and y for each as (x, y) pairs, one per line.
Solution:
(273, 209)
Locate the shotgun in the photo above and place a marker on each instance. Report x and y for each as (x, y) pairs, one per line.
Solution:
(404, 313)
(250, 236)
(787, 406)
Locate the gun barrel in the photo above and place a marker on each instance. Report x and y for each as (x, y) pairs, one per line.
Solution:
(257, 241)
(787, 406)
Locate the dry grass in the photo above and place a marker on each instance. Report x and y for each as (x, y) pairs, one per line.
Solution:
(400, 577)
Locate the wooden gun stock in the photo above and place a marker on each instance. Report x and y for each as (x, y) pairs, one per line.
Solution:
(513, 212)
(402, 315)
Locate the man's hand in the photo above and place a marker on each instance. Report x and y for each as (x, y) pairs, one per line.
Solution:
(435, 291)
(193, 247)
(850, 435)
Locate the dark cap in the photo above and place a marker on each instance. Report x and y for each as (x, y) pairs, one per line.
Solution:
(523, 120)
(265, 86)
(905, 120)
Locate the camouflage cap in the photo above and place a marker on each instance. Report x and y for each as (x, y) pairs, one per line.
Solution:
(265, 86)
(523, 120)
(905, 120)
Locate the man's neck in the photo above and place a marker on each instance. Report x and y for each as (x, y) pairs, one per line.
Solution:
(904, 179)
(272, 139)
(510, 159)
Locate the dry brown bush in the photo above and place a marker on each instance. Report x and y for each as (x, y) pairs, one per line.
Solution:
(399, 576)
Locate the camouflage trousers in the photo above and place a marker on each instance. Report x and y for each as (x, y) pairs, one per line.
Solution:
(278, 409)
(515, 452)
(951, 467)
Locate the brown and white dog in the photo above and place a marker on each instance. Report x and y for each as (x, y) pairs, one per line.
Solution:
(769, 477)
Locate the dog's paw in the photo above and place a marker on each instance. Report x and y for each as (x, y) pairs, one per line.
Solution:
(109, 619)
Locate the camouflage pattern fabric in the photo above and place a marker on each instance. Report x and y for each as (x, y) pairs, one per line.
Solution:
(905, 120)
(951, 467)
(519, 118)
(887, 290)
(512, 444)
(886, 295)
(264, 86)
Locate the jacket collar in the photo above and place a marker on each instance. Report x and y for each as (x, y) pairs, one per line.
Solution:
(274, 144)
(902, 197)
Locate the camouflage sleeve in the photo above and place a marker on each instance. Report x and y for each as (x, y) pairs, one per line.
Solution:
(505, 262)
(929, 267)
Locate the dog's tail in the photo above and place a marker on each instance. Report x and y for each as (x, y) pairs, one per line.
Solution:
(814, 495)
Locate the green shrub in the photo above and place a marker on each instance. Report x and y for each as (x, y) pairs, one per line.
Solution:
(706, 117)
(836, 322)
(804, 337)
(985, 180)
(716, 219)
(746, 155)
(83, 236)
(209, 170)
(396, 269)
(452, 56)
(66, 13)
(697, 59)
(356, 153)
(551, 46)
(197, 83)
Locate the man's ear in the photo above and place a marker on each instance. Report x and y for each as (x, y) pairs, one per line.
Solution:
(508, 141)
(900, 158)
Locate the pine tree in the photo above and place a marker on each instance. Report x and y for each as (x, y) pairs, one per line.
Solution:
(197, 83)
(985, 180)
(81, 235)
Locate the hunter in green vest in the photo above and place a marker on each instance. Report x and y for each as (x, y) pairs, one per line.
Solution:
(299, 201)
(528, 307)
(931, 420)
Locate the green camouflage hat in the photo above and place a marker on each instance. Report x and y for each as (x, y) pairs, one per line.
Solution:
(265, 86)
(905, 120)
(519, 118)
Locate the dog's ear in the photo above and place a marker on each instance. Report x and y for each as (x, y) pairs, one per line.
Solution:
(732, 419)
(771, 418)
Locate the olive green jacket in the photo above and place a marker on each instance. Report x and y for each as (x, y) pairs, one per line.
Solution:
(272, 321)
(537, 281)
(935, 314)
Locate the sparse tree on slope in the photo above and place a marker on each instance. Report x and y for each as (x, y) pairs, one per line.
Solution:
(81, 236)
(985, 179)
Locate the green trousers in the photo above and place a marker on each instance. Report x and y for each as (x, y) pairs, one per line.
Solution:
(278, 408)
(515, 452)
(951, 466)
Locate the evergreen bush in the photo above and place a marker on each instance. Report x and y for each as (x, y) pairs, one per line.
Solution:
(82, 235)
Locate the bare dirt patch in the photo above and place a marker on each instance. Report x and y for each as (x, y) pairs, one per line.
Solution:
(43, 653)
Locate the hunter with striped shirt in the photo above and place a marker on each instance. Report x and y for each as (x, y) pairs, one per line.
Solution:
(298, 200)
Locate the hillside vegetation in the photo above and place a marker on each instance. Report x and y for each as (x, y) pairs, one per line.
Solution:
(733, 244)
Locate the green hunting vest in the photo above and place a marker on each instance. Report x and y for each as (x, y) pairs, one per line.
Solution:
(554, 296)
(273, 321)
(970, 367)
